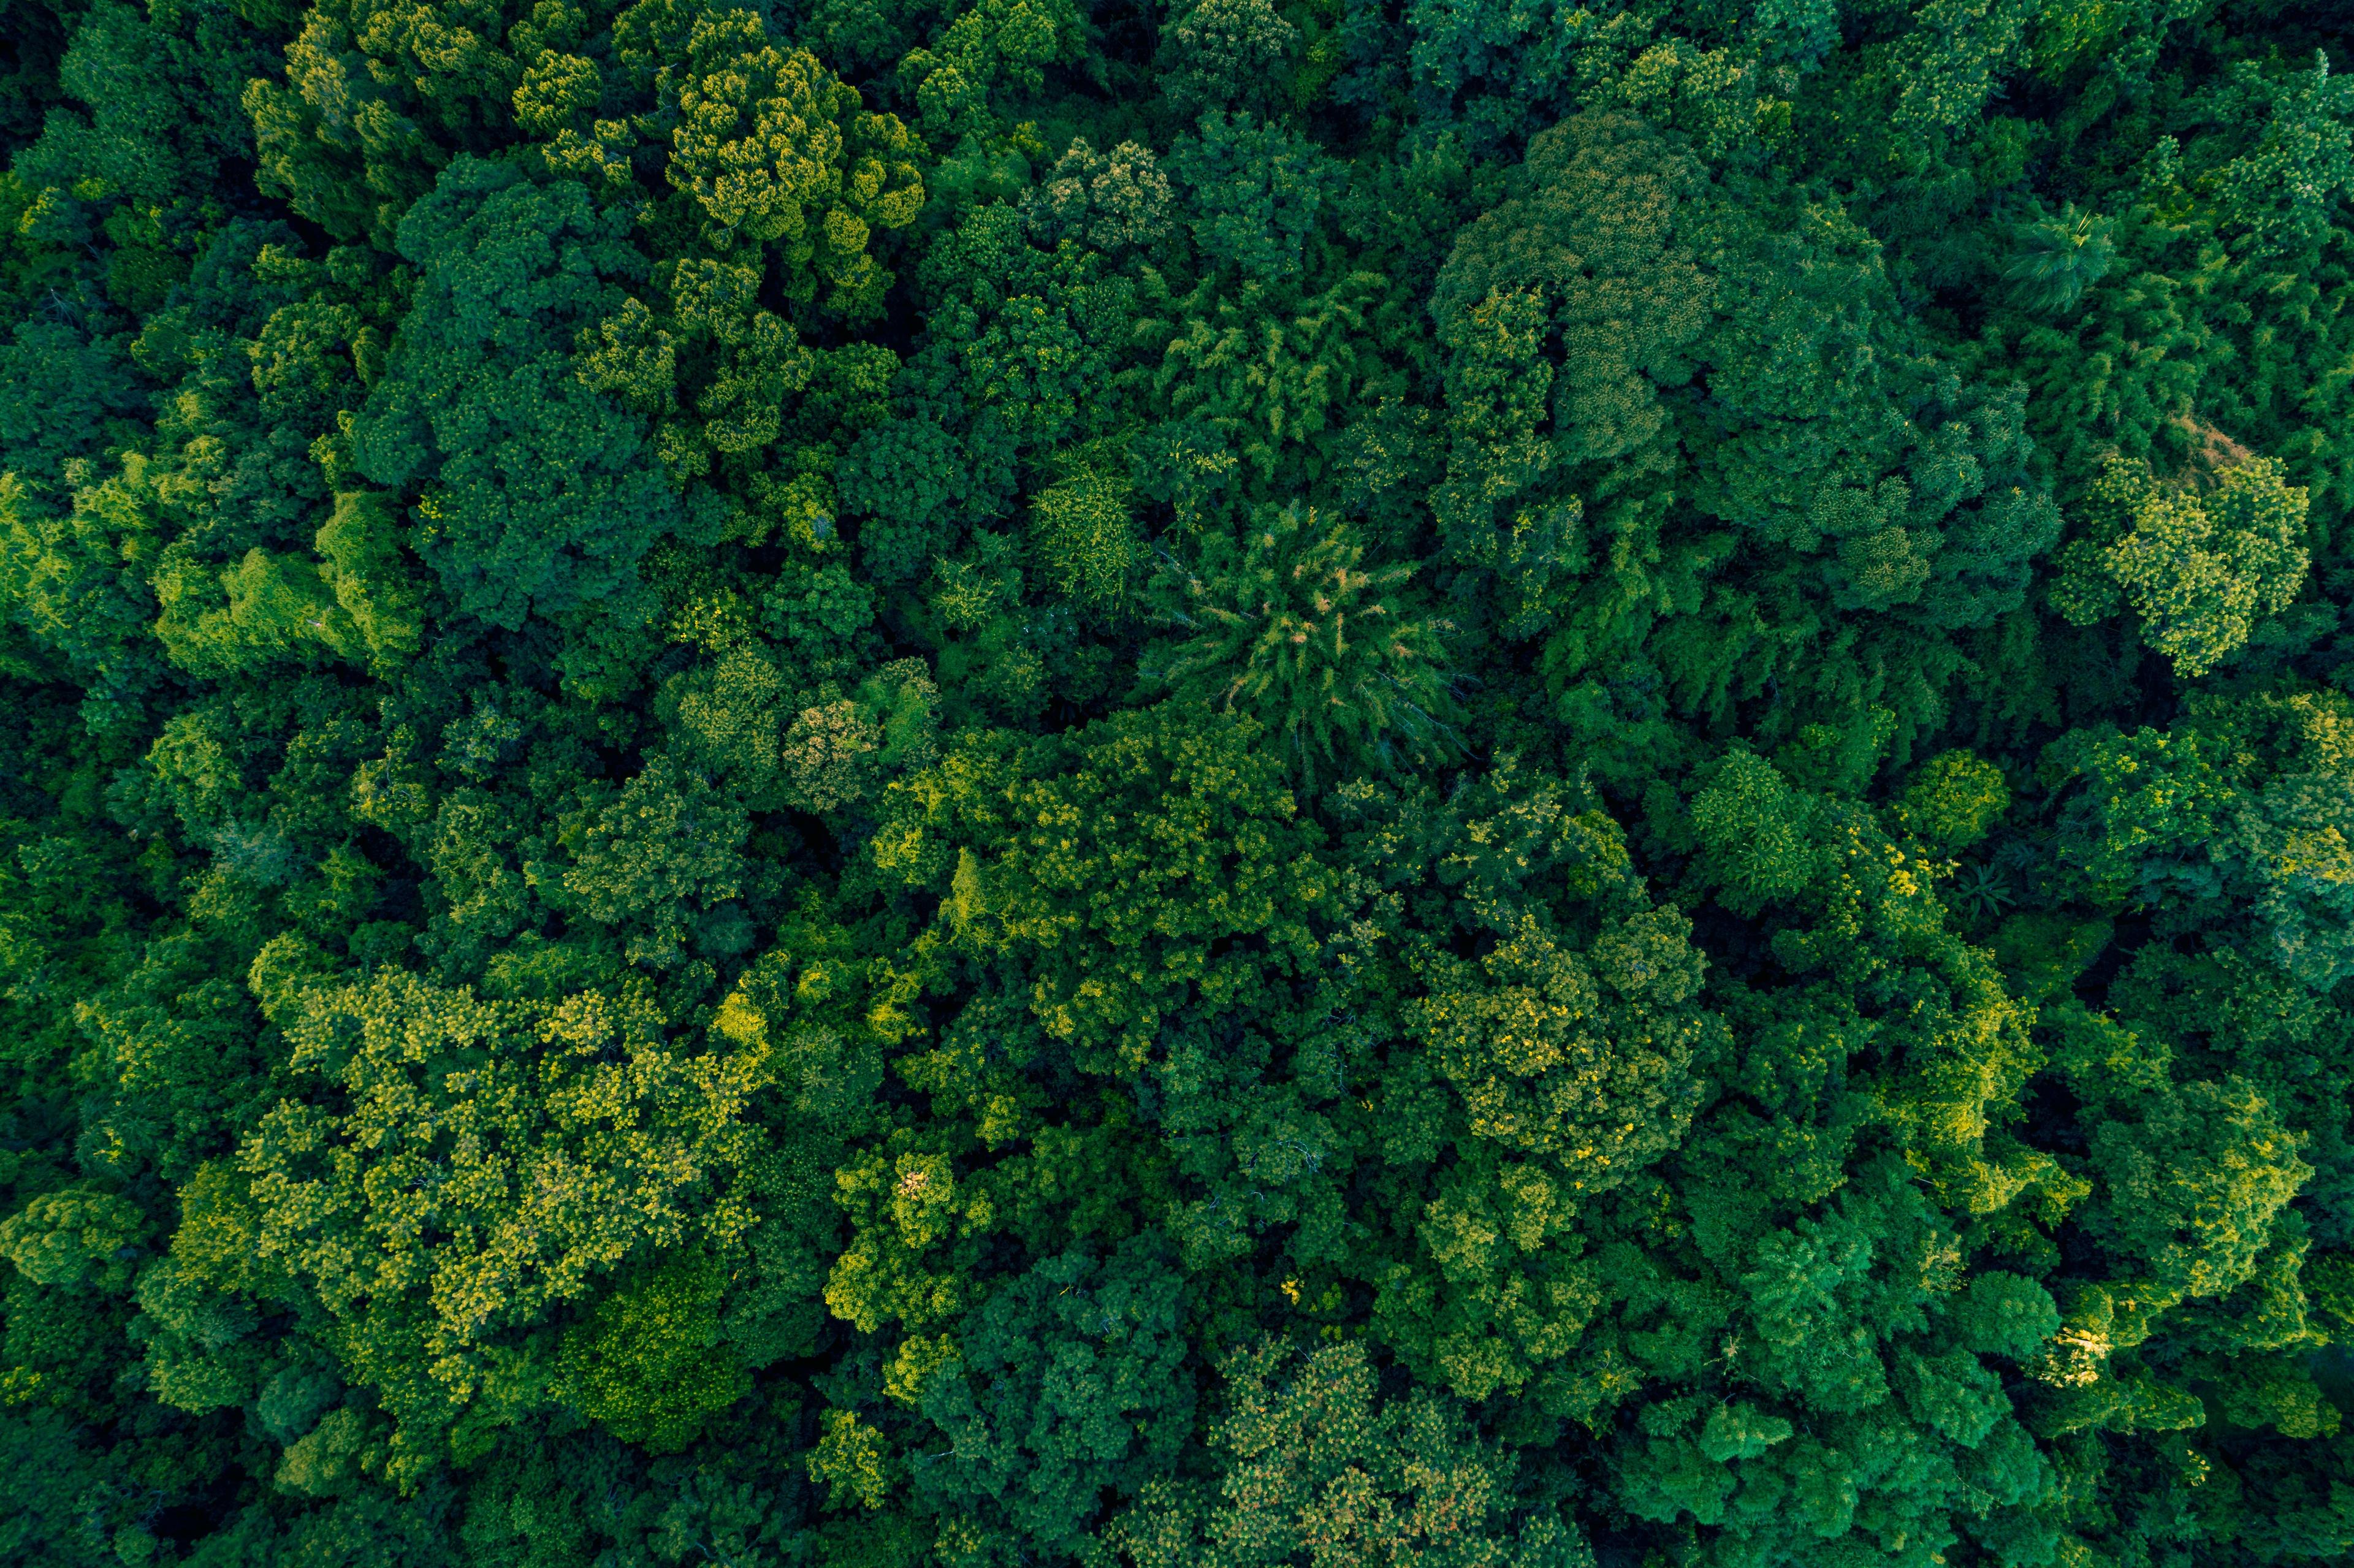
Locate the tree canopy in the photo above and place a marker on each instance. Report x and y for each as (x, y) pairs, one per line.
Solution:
(1265, 783)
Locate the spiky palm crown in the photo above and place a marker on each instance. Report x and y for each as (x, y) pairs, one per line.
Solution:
(1289, 627)
(2060, 256)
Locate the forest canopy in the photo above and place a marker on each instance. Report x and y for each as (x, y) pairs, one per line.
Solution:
(1176, 783)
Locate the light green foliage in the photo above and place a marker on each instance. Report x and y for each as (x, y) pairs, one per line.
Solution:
(357, 599)
(1314, 1460)
(826, 756)
(851, 1460)
(555, 90)
(2149, 797)
(572, 1133)
(1566, 1054)
(2199, 570)
(1954, 800)
(362, 563)
(354, 173)
(85, 1238)
(73, 583)
(1554, 1052)
(1126, 879)
(648, 1362)
(773, 148)
(840, 753)
(2190, 1187)
(1084, 530)
(1104, 199)
(908, 1218)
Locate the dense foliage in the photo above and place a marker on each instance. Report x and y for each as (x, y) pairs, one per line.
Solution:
(1333, 783)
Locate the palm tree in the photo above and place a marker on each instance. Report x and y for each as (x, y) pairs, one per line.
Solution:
(2059, 256)
(1291, 627)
